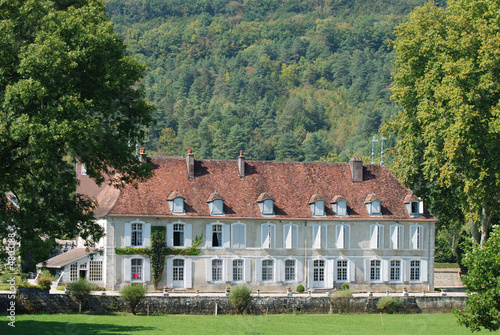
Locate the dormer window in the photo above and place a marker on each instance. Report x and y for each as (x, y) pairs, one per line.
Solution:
(414, 205)
(266, 204)
(339, 205)
(317, 204)
(373, 205)
(216, 204)
(176, 203)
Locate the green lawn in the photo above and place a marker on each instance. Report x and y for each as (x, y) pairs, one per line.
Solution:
(70, 324)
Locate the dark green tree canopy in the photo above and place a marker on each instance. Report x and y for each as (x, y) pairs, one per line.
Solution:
(66, 93)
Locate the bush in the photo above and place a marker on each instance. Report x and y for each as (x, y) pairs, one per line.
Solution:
(344, 287)
(240, 297)
(341, 300)
(389, 305)
(133, 294)
(80, 291)
(300, 288)
(44, 283)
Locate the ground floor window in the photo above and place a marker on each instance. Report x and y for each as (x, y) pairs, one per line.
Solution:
(73, 272)
(136, 269)
(341, 270)
(238, 270)
(319, 270)
(375, 270)
(395, 271)
(415, 270)
(178, 269)
(289, 270)
(95, 270)
(267, 270)
(217, 270)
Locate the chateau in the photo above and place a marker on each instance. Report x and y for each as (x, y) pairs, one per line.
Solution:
(267, 224)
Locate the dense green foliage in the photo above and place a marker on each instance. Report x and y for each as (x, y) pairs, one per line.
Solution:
(483, 285)
(158, 238)
(279, 79)
(447, 83)
(44, 283)
(389, 305)
(66, 93)
(240, 297)
(133, 294)
(341, 300)
(80, 290)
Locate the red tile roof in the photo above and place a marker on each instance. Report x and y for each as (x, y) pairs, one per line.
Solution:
(316, 197)
(290, 183)
(215, 196)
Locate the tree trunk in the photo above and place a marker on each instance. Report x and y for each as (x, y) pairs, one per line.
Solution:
(475, 233)
(485, 224)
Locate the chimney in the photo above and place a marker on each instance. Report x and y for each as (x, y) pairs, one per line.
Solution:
(241, 164)
(190, 164)
(142, 155)
(356, 166)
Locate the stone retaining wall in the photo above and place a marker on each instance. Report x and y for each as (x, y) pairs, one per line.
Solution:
(448, 278)
(36, 301)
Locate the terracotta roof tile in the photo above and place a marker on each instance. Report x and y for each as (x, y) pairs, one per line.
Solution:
(410, 197)
(265, 196)
(215, 196)
(175, 194)
(337, 198)
(316, 197)
(372, 197)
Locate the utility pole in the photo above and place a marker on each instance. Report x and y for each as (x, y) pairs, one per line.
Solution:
(373, 149)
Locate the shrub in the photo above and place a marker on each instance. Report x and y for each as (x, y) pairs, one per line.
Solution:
(240, 297)
(344, 287)
(341, 300)
(133, 294)
(80, 291)
(44, 283)
(300, 288)
(389, 304)
(60, 288)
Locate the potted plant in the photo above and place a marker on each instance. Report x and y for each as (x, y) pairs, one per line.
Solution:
(228, 290)
(289, 291)
(165, 291)
(405, 291)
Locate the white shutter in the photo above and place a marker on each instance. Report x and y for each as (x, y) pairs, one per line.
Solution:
(351, 271)
(347, 236)
(340, 236)
(413, 237)
(265, 242)
(208, 236)
(295, 236)
(421, 207)
(188, 270)
(401, 237)
(280, 273)
(287, 236)
(405, 269)
(258, 270)
(147, 269)
(146, 243)
(424, 271)
(330, 279)
(384, 268)
(127, 270)
(247, 275)
(273, 236)
(238, 236)
(226, 234)
(421, 237)
(170, 274)
(394, 237)
(170, 235)
(367, 270)
(227, 270)
(275, 270)
(323, 236)
(316, 237)
(373, 237)
(310, 273)
(381, 236)
(299, 268)
(188, 232)
(208, 269)
(128, 234)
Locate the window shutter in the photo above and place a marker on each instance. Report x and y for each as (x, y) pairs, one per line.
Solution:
(420, 237)
(295, 236)
(238, 235)
(188, 270)
(347, 236)
(340, 236)
(384, 268)
(413, 237)
(146, 235)
(299, 268)
(373, 236)
(208, 235)
(258, 270)
(247, 275)
(367, 270)
(317, 236)
(330, 279)
(351, 271)
(421, 207)
(280, 273)
(218, 206)
(265, 236)
(128, 234)
(147, 269)
(268, 207)
(287, 236)
(405, 269)
(226, 234)
(188, 232)
(394, 237)
(423, 271)
(273, 236)
(127, 269)
(310, 273)
(170, 235)
(323, 236)
(170, 274)
(381, 236)
(208, 269)
(227, 270)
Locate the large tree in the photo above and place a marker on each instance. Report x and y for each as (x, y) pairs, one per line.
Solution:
(446, 81)
(68, 92)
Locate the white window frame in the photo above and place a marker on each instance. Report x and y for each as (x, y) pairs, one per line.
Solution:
(238, 270)
(267, 207)
(397, 237)
(217, 270)
(188, 232)
(375, 270)
(139, 269)
(238, 228)
(187, 275)
(216, 207)
(178, 271)
(268, 235)
(318, 208)
(146, 234)
(290, 236)
(399, 268)
(343, 232)
(95, 271)
(319, 270)
(136, 237)
(178, 206)
(73, 272)
(267, 270)
(376, 236)
(319, 236)
(415, 269)
(342, 270)
(341, 208)
(416, 237)
(290, 273)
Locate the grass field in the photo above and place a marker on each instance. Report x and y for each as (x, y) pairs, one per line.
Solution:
(59, 324)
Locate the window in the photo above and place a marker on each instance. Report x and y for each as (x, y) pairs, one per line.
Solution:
(415, 270)
(268, 207)
(238, 270)
(217, 208)
(376, 236)
(267, 270)
(217, 270)
(178, 206)
(136, 269)
(397, 237)
(341, 208)
(373, 205)
(95, 270)
(343, 236)
(178, 269)
(136, 237)
(73, 272)
(266, 204)
(341, 270)
(289, 270)
(238, 236)
(395, 271)
(318, 208)
(290, 236)
(268, 235)
(319, 236)
(178, 235)
(375, 270)
(216, 235)
(416, 237)
(319, 270)
(414, 207)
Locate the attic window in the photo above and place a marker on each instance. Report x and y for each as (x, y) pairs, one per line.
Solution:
(373, 205)
(266, 204)
(216, 204)
(176, 203)
(317, 204)
(339, 205)
(414, 205)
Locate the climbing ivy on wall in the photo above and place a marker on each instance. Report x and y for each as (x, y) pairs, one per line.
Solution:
(158, 251)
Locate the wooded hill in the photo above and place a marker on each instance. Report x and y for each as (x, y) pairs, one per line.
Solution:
(278, 79)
